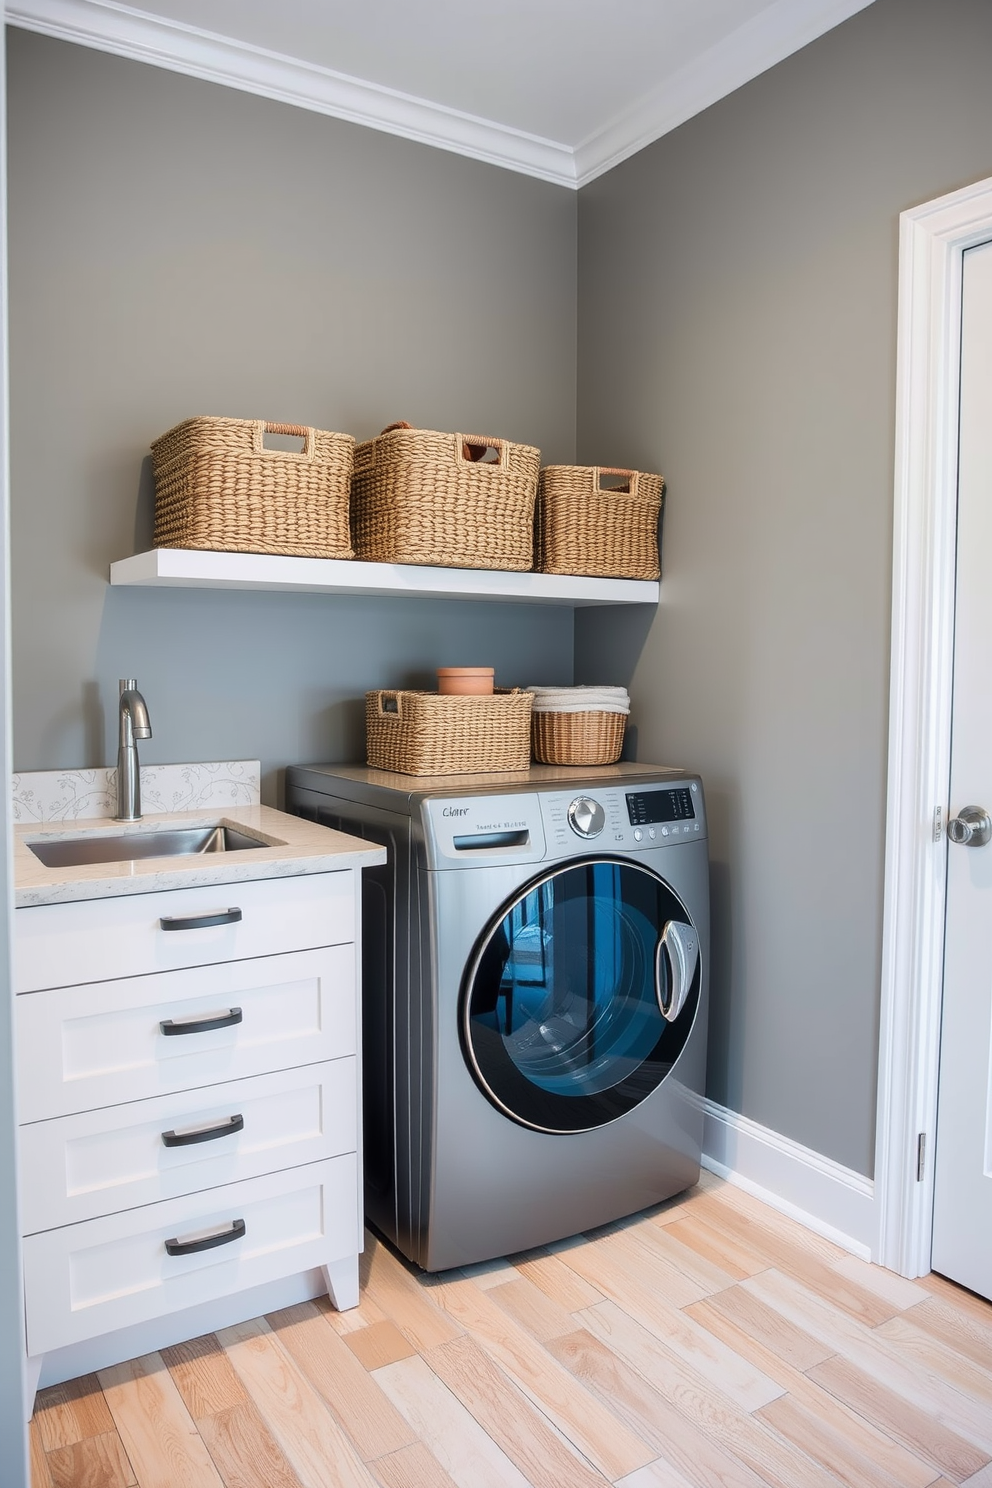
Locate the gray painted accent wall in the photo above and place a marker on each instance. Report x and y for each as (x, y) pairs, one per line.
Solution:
(737, 330)
(179, 248)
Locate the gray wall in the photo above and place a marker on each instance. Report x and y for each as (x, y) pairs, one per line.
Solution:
(180, 248)
(737, 319)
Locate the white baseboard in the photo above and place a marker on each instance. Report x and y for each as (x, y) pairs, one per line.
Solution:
(821, 1194)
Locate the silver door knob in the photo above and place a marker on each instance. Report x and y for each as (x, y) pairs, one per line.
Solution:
(972, 827)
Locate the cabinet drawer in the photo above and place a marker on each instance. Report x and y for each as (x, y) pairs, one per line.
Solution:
(91, 1278)
(99, 1162)
(98, 1045)
(58, 945)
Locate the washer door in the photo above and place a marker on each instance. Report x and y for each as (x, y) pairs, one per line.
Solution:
(580, 996)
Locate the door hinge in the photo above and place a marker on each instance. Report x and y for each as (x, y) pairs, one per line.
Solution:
(938, 823)
(921, 1156)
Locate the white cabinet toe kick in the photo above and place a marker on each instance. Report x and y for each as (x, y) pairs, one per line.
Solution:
(188, 1105)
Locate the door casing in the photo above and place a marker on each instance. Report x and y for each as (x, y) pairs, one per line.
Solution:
(933, 240)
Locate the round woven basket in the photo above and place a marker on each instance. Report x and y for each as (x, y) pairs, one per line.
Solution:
(577, 738)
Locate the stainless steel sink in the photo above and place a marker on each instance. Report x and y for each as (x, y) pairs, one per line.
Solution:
(75, 852)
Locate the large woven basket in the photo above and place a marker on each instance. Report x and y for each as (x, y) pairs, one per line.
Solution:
(218, 487)
(606, 531)
(423, 497)
(425, 733)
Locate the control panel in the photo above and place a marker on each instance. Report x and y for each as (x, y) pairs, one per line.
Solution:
(472, 831)
(647, 808)
(624, 818)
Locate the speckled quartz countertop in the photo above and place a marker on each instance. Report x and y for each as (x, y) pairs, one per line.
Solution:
(292, 847)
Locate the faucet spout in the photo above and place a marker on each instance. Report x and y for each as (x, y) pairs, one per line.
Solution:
(132, 718)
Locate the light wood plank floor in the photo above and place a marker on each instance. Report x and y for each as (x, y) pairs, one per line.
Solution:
(709, 1343)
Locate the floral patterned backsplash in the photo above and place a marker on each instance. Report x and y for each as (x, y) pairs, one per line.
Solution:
(81, 795)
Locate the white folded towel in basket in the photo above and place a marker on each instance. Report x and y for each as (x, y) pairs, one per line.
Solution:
(580, 699)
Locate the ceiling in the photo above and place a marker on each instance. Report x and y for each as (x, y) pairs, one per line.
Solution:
(560, 89)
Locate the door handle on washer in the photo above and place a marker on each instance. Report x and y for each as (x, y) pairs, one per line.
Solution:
(680, 944)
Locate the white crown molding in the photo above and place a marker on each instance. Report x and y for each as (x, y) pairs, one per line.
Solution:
(127, 32)
(111, 27)
(760, 43)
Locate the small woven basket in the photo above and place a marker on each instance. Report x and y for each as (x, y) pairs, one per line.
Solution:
(425, 733)
(578, 738)
(423, 497)
(585, 527)
(218, 487)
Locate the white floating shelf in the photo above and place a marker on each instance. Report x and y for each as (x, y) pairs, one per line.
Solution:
(184, 568)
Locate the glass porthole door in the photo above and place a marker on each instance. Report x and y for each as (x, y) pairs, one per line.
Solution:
(580, 996)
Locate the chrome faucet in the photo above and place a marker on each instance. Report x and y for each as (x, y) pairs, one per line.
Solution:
(132, 715)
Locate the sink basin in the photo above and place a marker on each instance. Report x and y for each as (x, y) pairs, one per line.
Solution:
(75, 852)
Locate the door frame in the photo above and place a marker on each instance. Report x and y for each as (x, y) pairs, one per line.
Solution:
(932, 241)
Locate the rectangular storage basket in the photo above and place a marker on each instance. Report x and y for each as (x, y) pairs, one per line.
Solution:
(218, 487)
(591, 738)
(419, 496)
(426, 733)
(607, 532)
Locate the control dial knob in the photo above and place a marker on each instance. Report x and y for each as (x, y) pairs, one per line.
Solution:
(586, 817)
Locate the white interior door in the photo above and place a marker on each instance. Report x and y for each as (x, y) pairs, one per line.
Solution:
(962, 1229)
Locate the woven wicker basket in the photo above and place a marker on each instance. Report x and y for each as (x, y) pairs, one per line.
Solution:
(423, 497)
(578, 738)
(425, 733)
(216, 486)
(608, 532)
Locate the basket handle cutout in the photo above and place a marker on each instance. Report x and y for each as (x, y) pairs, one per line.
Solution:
(389, 702)
(621, 481)
(287, 433)
(482, 451)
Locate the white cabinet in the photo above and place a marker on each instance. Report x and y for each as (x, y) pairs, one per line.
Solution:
(117, 1157)
(107, 1042)
(188, 1094)
(127, 1268)
(89, 940)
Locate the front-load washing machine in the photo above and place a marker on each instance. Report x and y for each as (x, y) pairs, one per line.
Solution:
(535, 957)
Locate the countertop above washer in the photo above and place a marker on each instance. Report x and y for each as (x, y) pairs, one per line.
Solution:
(535, 777)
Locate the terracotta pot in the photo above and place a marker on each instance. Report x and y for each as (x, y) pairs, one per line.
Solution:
(465, 681)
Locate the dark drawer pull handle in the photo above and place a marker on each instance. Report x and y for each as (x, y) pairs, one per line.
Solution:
(172, 1027)
(204, 1133)
(234, 1231)
(200, 922)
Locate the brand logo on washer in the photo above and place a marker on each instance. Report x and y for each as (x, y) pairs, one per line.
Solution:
(455, 811)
